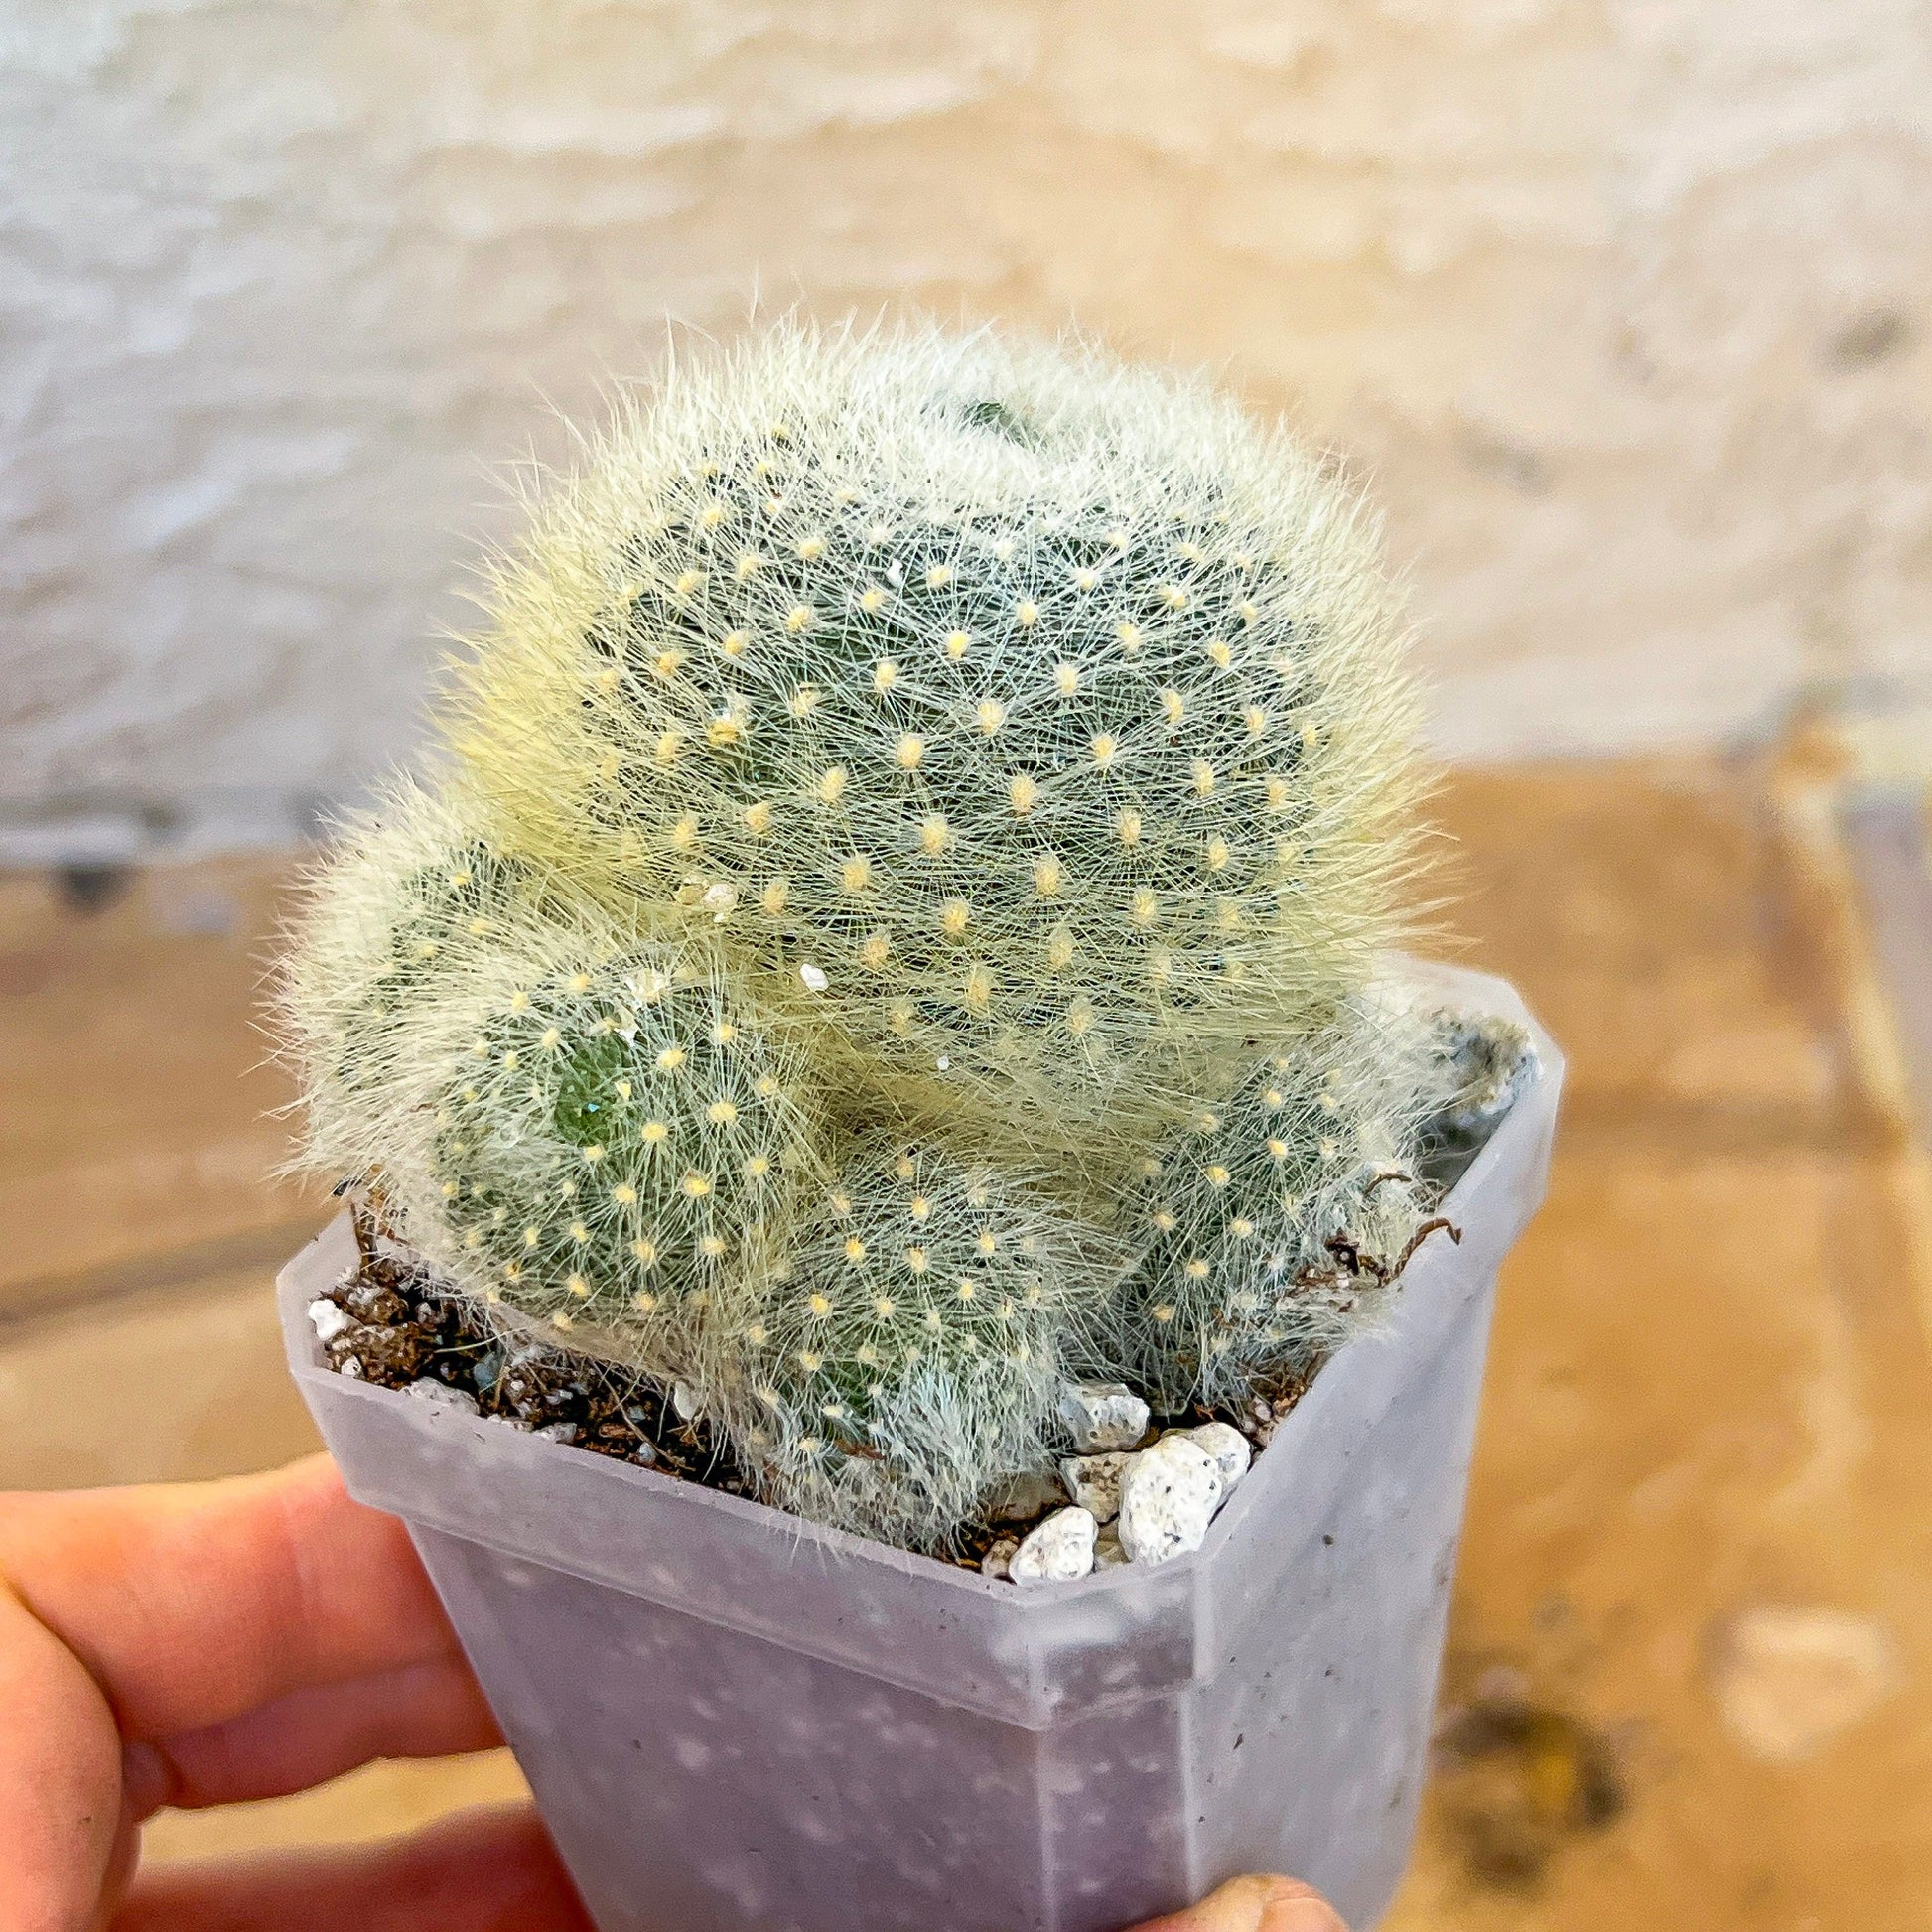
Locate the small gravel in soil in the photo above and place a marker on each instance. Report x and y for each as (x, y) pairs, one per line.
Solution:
(401, 1329)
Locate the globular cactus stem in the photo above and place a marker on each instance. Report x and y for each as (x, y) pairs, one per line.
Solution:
(1047, 710)
(915, 1355)
(587, 1129)
(1273, 1224)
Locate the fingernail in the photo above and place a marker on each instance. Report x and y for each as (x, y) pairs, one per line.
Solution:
(1293, 1908)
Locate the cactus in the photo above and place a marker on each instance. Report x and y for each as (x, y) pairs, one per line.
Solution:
(1043, 713)
(916, 1356)
(1273, 1225)
(586, 1130)
(900, 918)
(412, 887)
(1478, 1067)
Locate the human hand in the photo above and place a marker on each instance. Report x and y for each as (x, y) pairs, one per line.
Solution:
(1257, 1904)
(197, 1645)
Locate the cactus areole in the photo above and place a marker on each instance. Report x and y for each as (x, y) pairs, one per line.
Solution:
(895, 925)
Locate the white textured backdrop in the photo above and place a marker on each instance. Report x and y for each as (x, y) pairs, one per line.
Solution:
(1625, 303)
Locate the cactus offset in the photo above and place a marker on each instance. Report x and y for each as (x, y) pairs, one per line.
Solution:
(1273, 1224)
(584, 1128)
(917, 1353)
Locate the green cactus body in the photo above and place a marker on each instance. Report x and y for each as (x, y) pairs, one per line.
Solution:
(1045, 710)
(1273, 1224)
(589, 1131)
(914, 1358)
(623, 1150)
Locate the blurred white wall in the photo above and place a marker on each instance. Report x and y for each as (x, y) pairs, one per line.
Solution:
(1626, 304)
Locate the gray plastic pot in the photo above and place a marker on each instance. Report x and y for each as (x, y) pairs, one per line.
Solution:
(733, 1719)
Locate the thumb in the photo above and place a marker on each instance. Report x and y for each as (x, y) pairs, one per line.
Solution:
(1258, 1903)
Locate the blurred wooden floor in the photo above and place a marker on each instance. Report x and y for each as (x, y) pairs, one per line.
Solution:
(1688, 1672)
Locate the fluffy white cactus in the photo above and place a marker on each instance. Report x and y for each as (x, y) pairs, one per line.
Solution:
(922, 814)
(916, 1356)
(581, 1126)
(1048, 711)
(1274, 1223)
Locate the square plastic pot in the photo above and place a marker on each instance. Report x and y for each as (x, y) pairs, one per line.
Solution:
(733, 1719)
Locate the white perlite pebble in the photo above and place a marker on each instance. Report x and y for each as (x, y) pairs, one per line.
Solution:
(1094, 1481)
(1059, 1550)
(998, 1559)
(426, 1388)
(1168, 1497)
(814, 977)
(685, 1399)
(327, 1319)
(1229, 1449)
(557, 1432)
(1103, 1416)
